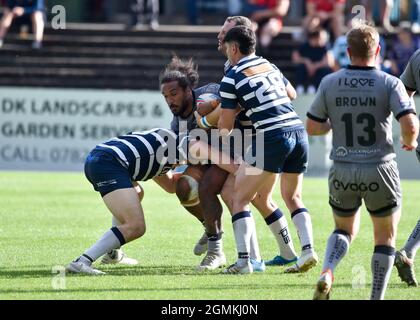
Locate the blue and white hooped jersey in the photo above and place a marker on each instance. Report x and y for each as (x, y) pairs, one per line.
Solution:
(141, 152)
(260, 88)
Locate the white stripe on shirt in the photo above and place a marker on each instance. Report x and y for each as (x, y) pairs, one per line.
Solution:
(282, 125)
(151, 153)
(117, 151)
(268, 105)
(251, 64)
(134, 151)
(227, 95)
(228, 80)
(275, 119)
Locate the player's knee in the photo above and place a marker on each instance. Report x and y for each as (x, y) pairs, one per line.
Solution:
(187, 191)
(291, 199)
(136, 229)
(263, 203)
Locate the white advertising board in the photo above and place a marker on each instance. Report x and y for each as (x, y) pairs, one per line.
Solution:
(54, 129)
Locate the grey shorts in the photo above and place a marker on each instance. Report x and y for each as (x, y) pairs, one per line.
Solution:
(377, 184)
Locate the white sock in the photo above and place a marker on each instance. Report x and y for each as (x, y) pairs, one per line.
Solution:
(254, 253)
(242, 228)
(303, 223)
(278, 225)
(112, 239)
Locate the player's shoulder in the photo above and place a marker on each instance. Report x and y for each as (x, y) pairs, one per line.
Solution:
(416, 57)
(332, 78)
(208, 88)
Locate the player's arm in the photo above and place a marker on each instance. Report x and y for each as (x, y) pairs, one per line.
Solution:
(228, 106)
(318, 122)
(409, 131)
(226, 121)
(317, 127)
(212, 118)
(410, 93)
(168, 181)
(200, 150)
(291, 92)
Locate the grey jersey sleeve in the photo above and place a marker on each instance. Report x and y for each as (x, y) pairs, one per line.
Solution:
(175, 125)
(400, 103)
(318, 110)
(408, 77)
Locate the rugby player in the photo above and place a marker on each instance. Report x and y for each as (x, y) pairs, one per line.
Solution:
(271, 114)
(112, 168)
(404, 258)
(356, 104)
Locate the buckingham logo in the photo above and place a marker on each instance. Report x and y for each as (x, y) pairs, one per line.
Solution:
(339, 185)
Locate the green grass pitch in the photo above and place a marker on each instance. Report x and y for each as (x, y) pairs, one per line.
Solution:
(47, 219)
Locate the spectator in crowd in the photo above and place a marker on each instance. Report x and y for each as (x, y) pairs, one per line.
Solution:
(384, 8)
(314, 61)
(145, 12)
(19, 8)
(402, 49)
(325, 14)
(267, 17)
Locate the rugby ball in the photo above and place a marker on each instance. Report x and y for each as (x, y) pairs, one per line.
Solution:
(204, 108)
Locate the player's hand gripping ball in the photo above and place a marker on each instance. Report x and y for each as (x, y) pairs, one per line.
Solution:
(206, 103)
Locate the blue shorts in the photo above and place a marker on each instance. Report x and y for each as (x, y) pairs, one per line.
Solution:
(106, 173)
(283, 152)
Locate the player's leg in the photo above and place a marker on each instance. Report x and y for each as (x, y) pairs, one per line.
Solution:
(276, 221)
(210, 186)
(125, 207)
(291, 191)
(246, 186)
(404, 258)
(114, 183)
(117, 256)
(346, 228)
(385, 233)
(291, 184)
(345, 204)
(258, 264)
(383, 200)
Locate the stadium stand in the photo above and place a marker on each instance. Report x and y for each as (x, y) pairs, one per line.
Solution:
(110, 57)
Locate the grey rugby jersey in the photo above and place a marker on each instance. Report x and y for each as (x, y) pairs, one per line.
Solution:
(359, 102)
(411, 77)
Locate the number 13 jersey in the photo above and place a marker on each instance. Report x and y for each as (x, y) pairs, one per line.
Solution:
(359, 102)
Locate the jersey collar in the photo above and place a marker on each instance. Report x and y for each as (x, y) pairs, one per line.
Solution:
(350, 67)
(251, 56)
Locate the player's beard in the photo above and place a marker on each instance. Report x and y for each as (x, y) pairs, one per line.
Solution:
(181, 112)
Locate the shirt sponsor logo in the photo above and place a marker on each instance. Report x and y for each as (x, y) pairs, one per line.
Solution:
(339, 185)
